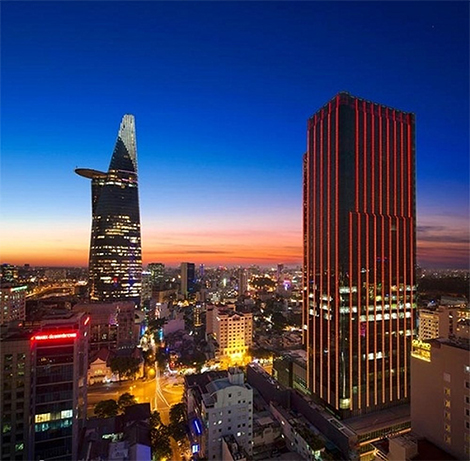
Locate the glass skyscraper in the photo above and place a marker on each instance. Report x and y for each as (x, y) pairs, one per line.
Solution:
(115, 249)
(359, 254)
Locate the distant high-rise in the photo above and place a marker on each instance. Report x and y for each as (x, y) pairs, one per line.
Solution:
(359, 254)
(188, 278)
(157, 273)
(115, 250)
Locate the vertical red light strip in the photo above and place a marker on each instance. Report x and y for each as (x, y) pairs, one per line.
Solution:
(380, 162)
(359, 308)
(412, 276)
(351, 333)
(336, 294)
(364, 157)
(321, 268)
(405, 319)
(402, 169)
(372, 157)
(384, 285)
(375, 308)
(410, 173)
(356, 179)
(314, 262)
(391, 262)
(397, 275)
(387, 119)
(395, 166)
(367, 264)
(373, 153)
(328, 251)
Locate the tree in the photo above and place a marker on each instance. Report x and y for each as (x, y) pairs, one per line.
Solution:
(178, 421)
(106, 408)
(126, 400)
(159, 437)
(126, 367)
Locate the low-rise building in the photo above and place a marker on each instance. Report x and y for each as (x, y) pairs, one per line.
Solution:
(233, 331)
(440, 394)
(113, 325)
(219, 404)
(303, 438)
(441, 322)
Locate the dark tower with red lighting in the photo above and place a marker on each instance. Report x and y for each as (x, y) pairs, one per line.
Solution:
(359, 254)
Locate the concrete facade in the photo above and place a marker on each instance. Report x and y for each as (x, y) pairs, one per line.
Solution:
(440, 396)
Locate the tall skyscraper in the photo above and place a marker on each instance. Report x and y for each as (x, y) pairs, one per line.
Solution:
(115, 250)
(359, 254)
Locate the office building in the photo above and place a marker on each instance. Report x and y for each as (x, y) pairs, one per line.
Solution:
(43, 388)
(242, 281)
(157, 274)
(115, 265)
(188, 279)
(12, 302)
(219, 404)
(359, 254)
(113, 325)
(440, 390)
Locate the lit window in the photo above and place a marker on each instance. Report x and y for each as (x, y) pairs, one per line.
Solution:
(43, 417)
(66, 414)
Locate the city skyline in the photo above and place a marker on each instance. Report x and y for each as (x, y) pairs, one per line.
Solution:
(221, 93)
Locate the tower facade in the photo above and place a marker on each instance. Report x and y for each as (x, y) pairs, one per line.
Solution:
(115, 264)
(359, 254)
(188, 278)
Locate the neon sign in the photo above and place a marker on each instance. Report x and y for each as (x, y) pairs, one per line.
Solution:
(197, 426)
(52, 336)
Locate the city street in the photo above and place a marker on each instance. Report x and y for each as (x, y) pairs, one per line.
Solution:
(161, 392)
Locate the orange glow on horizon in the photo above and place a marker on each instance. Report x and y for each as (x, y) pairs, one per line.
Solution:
(440, 244)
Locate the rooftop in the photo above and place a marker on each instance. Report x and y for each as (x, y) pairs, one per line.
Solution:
(379, 419)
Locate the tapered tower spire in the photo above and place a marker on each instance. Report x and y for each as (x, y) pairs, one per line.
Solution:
(115, 266)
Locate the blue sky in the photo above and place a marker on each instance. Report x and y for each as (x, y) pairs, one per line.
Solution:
(221, 92)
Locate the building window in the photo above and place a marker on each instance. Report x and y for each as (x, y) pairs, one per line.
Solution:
(446, 391)
(447, 403)
(447, 439)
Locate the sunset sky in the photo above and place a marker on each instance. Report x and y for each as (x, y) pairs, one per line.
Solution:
(221, 92)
